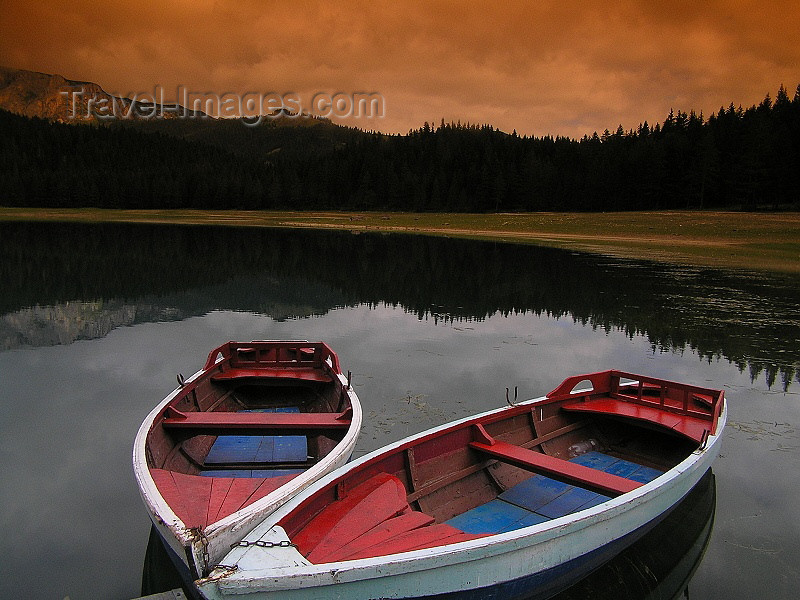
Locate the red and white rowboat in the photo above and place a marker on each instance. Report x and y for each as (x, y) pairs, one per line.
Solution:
(255, 426)
(521, 501)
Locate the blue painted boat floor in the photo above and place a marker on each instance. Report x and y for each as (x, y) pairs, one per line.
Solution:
(261, 449)
(540, 498)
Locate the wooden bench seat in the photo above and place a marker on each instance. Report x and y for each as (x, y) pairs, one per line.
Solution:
(692, 427)
(299, 373)
(558, 469)
(255, 421)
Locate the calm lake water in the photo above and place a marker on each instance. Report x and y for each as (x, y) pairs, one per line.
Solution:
(97, 320)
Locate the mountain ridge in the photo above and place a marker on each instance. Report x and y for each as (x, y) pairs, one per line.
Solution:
(55, 98)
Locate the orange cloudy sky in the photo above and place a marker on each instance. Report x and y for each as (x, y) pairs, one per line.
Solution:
(539, 67)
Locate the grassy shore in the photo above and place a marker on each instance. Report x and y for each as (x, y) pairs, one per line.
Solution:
(754, 241)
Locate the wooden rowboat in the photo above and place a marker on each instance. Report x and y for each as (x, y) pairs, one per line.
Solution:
(521, 501)
(257, 424)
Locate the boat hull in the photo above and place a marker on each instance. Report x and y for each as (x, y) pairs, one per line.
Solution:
(531, 562)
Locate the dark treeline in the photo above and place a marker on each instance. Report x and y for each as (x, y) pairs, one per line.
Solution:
(56, 165)
(735, 158)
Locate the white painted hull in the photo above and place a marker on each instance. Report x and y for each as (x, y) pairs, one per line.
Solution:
(481, 566)
(198, 552)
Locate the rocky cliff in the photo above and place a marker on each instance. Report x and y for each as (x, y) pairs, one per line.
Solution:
(55, 98)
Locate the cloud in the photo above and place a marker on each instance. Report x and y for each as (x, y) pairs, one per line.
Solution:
(541, 68)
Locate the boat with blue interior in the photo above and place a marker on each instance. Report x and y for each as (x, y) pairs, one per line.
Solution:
(520, 501)
(256, 425)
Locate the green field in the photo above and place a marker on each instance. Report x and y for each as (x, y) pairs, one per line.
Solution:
(755, 241)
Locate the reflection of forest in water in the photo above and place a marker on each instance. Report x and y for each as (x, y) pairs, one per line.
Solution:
(65, 281)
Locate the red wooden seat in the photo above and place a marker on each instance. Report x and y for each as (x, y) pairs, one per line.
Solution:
(383, 531)
(424, 537)
(301, 373)
(557, 468)
(250, 421)
(687, 410)
(373, 519)
(694, 428)
(367, 505)
(199, 501)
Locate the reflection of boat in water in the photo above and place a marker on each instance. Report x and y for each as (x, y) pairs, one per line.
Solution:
(658, 566)
(523, 500)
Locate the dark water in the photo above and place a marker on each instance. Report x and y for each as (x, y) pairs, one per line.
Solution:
(96, 321)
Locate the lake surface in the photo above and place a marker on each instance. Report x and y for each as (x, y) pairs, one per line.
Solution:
(96, 321)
